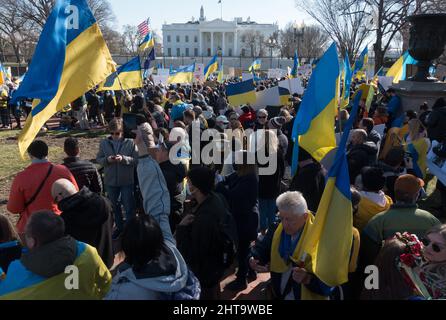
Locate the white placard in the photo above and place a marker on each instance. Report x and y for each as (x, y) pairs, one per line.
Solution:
(293, 85)
(386, 82)
(247, 76)
(231, 72)
(157, 79)
(437, 166)
(199, 72)
(268, 97)
(276, 73)
(163, 72)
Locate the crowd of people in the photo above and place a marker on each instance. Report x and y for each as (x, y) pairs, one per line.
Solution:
(182, 224)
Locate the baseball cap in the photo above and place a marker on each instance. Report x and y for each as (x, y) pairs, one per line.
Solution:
(409, 184)
(222, 119)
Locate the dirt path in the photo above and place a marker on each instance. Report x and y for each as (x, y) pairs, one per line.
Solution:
(89, 148)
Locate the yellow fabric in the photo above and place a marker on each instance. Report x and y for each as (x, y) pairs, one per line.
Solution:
(367, 209)
(87, 63)
(355, 251)
(278, 265)
(330, 241)
(124, 81)
(94, 282)
(393, 139)
(422, 147)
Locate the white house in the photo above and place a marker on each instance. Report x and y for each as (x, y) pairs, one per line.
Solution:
(206, 38)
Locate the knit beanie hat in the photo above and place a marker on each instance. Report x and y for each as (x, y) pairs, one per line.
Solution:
(276, 123)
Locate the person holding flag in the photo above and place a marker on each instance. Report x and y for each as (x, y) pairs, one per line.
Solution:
(255, 65)
(67, 63)
(296, 65)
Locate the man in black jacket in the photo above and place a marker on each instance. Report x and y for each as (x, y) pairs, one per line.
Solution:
(360, 153)
(199, 236)
(88, 217)
(309, 180)
(436, 129)
(174, 175)
(84, 171)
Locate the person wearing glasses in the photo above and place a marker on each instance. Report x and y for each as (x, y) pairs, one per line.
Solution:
(262, 120)
(119, 156)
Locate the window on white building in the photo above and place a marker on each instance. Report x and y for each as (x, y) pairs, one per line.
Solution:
(230, 52)
(187, 39)
(168, 39)
(169, 52)
(196, 52)
(195, 39)
(178, 52)
(243, 52)
(178, 38)
(187, 52)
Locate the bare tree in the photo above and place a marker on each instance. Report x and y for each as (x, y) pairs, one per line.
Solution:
(254, 41)
(348, 24)
(312, 45)
(131, 39)
(39, 10)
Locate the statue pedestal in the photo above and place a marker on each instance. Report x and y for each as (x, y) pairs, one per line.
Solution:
(413, 94)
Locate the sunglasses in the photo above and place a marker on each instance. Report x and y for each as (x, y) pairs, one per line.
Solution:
(115, 133)
(261, 117)
(435, 247)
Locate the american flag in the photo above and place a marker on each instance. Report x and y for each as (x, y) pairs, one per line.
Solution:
(143, 28)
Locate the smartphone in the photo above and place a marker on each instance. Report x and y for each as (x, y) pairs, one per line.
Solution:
(129, 120)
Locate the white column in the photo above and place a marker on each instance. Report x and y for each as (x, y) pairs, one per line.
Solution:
(212, 43)
(235, 54)
(200, 43)
(223, 44)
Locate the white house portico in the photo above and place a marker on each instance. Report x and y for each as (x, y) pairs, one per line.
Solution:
(207, 38)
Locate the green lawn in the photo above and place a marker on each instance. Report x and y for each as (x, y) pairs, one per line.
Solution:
(11, 162)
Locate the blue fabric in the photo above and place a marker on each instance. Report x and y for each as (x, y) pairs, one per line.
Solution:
(9, 244)
(287, 246)
(124, 195)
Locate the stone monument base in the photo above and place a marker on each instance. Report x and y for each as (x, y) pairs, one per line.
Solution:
(413, 94)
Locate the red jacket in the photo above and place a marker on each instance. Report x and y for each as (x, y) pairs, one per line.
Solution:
(25, 185)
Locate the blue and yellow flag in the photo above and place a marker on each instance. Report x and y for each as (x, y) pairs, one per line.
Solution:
(398, 69)
(128, 76)
(241, 93)
(94, 281)
(284, 96)
(148, 43)
(184, 75)
(345, 100)
(314, 126)
(70, 59)
(220, 77)
(418, 151)
(3, 74)
(362, 62)
(211, 67)
(329, 241)
(255, 65)
(295, 65)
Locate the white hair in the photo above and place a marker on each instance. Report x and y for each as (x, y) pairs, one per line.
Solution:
(292, 202)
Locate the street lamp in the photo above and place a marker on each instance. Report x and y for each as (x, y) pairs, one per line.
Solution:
(271, 43)
(299, 32)
(220, 53)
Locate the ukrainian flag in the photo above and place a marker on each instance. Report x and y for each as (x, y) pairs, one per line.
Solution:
(220, 75)
(347, 82)
(211, 67)
(314, 126)
(70, 59)
(329, 240)
(128, 76)
(256, 65)
(418, 151)
(284, 96)
(148, 43)
(295, 66)
(241, 93)
(94, 281)
(3, 74)
(398, 70)
(361, 63)
(184, 75)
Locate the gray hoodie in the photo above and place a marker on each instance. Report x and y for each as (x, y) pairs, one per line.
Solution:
(169, 273)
